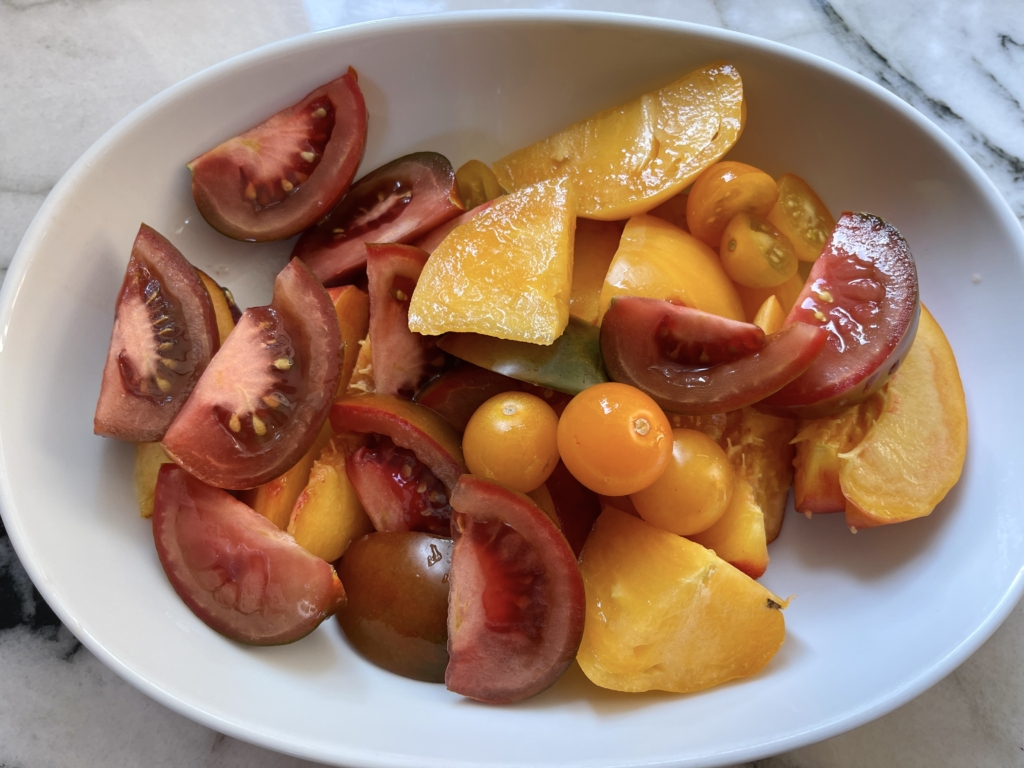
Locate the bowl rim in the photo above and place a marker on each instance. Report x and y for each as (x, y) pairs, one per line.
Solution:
(22, 261)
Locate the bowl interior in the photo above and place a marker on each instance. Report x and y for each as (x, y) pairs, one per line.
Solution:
(876, 618)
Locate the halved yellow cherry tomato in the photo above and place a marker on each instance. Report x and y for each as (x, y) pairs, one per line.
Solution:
(755, 254)
(694, 491)
(477, 184)
(800, 215)
(512, 439)
(722, 191)
(614, 439)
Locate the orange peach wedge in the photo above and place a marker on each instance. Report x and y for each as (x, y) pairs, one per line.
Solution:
(149, 457)
(738, 536)
(327, 516)
(664, 613)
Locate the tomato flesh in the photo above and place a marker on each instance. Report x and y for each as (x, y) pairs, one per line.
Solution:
(863, 292)
(165, 333)
(516, 602)
(718, 373)
(397, 203)
(398, 491)
(401, 358)
(283, 175)
(266, 394)
(397, 610)
(576, 505)
(234, 569)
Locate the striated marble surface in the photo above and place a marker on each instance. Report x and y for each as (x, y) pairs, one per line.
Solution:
(69, 69)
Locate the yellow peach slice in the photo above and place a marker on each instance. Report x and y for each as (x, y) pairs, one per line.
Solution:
(786, 293)
(658, 260)
(593, 251)
(629, 159)
(221, 308)
(664, 613)
(770, 317)
(352, 306)
(275, 499)
(738, 537)
(505, 273)
(149, 457)
(914, 452)
(327, 516)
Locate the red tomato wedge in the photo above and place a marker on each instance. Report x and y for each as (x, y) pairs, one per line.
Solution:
(401, 358)
(288, 172)
(234, 569)
(515, 602)
(397, 203)
(577, 506)
(397, 490)
(863, 291)
(695, 363)
(409, 425)
(165, 332)
(264, 397)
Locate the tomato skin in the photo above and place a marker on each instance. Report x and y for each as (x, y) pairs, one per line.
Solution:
(131, 405)
(614, 439)
(516, 600)
(203, 438)
(512, 439)
(576, 505)
(863, 291)
(634, 354)
(221, 198)
(234, 569)
(723, 190)
(397, 610)
(396, 203)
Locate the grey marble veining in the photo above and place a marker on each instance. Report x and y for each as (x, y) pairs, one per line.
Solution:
(69, 69)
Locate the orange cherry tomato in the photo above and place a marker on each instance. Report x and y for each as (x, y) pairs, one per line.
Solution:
(723, 190)
(614, 439)
(512, 440)
(695, 489)
(800, 215)
(755, 254)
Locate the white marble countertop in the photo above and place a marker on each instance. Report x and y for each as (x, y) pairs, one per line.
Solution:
(70, 69)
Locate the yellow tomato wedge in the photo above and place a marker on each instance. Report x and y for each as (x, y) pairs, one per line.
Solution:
(658, 260)
(628, 159)
(505, 273)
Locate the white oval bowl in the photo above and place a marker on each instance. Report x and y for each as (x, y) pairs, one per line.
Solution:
(877, 617)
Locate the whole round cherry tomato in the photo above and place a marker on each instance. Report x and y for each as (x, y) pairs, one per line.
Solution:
(723, 190)
(800, 215)
(614, 439)
(512, 439)
(755, 254)
(695, 489)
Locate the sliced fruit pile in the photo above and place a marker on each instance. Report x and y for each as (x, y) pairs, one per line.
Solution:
(546, 410)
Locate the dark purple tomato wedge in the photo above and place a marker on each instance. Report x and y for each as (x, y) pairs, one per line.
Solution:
(234, 569)
(165, 332)
(401, 358)
(432, 239)
(266, 394)
(577, 506)
(863, 291)
(397, 490)
(397, 610)
(640, 339)
(397, 203)
(288, 172)
(516, 605)
(409, 425)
